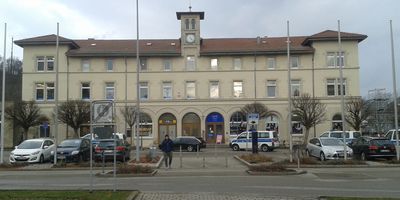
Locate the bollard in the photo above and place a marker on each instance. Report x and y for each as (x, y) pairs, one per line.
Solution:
(198, 149)
(104, 160)
(180, 155)
(204, 161)
(298, 158)
(226, 160)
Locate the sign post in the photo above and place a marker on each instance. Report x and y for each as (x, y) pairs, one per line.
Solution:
(252, 121)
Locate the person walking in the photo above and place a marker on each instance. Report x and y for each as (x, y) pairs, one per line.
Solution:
(167, 147)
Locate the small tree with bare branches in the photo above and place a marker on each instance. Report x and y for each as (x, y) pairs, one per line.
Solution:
(74, 113)
(129, 114)
(357, 111)
(310, 112)
(25, 114)
(255, 107)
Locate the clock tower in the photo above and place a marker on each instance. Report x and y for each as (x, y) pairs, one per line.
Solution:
(190, 32)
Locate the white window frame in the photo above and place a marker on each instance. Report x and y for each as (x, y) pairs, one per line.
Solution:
(109, 87)
(333, 59)
(271, 84)
(85, 65)
(190, 63)
(167, 86)
(292, 59)
(40, 59)
(167, 63)
(48, 89)
(144, 86)
(214, 89)
(237, 89)
(109, 68)
(189, 86)
(40, 86)
(237, 63)
(86, 88)
(49, 59)
(271, 63)
(214, 62)
(335, 83)
(295, 83)
(143, 62)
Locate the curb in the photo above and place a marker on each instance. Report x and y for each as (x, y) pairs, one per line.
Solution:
(294, 172)
(108, 174)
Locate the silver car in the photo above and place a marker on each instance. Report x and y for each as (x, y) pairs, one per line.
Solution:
(327, 148)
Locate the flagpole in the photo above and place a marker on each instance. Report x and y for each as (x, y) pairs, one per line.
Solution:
(289, 97)
(56, 97)
(137, 83)
(339, 54)
(394, 93)
(3, 94)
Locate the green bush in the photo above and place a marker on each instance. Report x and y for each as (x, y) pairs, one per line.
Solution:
(256, 158)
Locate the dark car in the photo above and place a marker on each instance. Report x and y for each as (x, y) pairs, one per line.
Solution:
(372, 147)
(74, 150)
(105, 148)
(189, 143)
(203, 143)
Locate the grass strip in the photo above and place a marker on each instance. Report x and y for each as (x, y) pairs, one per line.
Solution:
(63, 195)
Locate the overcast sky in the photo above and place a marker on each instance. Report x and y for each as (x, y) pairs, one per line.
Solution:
(106, 19)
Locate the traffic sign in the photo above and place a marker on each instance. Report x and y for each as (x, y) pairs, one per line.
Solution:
(103, 112)
(252, 118)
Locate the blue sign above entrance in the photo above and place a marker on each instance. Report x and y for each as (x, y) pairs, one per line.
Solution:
(214, 117)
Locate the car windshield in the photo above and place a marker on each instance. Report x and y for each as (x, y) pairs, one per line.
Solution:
(30, 145)
(331, 142)
(69, 143)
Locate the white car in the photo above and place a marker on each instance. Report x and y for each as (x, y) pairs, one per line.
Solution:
(33, 151)
(327, 148)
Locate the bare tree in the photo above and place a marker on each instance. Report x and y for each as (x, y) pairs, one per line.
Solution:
(255, 107)
(25, 115)
(129, 113)
(357, 111)
(74, 113)
(310, 112)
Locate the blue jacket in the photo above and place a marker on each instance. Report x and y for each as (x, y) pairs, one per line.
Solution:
(167, 146)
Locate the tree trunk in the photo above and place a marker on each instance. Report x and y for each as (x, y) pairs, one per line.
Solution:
(25, 134)
(132, 133)
(306, 136)
(76, 133)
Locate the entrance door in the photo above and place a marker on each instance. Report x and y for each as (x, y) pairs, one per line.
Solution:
(167, 129)
(214, 128)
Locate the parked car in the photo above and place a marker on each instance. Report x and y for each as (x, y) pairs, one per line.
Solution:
(105, 148)
(94, 137)
(189, 143)
(33, 151)
(267, 141)
(391, 135)
(327, 148)
(350, 135)
(74, 150)
(372, 147)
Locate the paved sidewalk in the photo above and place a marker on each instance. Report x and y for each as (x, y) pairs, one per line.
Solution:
(212, 196)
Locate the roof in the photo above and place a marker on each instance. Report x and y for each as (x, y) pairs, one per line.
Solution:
(46, 40)
(208, 47)
(179, 14)
(330, 35)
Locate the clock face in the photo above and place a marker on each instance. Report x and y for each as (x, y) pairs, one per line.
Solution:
(190, 38)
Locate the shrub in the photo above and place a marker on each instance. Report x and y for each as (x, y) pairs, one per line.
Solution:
(133, 169)
(15, 165)
(256, 158)
(344, 162)
(270, 168)
(147, 159)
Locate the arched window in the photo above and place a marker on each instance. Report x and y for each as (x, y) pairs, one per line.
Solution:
(145, 125)
(193, 24)
(191, 125)
(272, 123)
(237, 123)
(297, 128)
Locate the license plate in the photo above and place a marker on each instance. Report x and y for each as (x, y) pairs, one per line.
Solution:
(61, 157)
(385, 150)
(108, 151)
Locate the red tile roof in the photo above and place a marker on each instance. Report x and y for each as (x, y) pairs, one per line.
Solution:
(45, 40)
(330, 35)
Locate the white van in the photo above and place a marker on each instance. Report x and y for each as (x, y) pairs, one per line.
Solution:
(391, 135)
(351, 136)
(267, 141)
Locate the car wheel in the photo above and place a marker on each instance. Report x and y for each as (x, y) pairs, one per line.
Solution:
(363, 156)
(264, 148)
(235, 147)
(190, 148)
(322, 156)
(41, 159)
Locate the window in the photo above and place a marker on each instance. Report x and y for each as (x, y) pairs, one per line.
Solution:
(167, 64)
(110, 65)
(85, 65)
(237, 88)
(190, 89)
(50, 91)
(271, 63)
(214, 64)
(85, 91)
(110, 91)
(44, 91)
(214, 89)
(143, 64)
(334, 59)
(145, 125)
(237, 64)
(187, 24)
(271, 88)
(39, 91)
(193, 24)
(294, 62)
(167, 90)
(144, 90)
(333, 87)
(40, 63)
(295, 87)
(50, 63)
(190, 63)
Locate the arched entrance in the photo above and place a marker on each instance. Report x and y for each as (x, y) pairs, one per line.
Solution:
(215, 127)
(337, 124)
(166, 125)
(191, 125)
